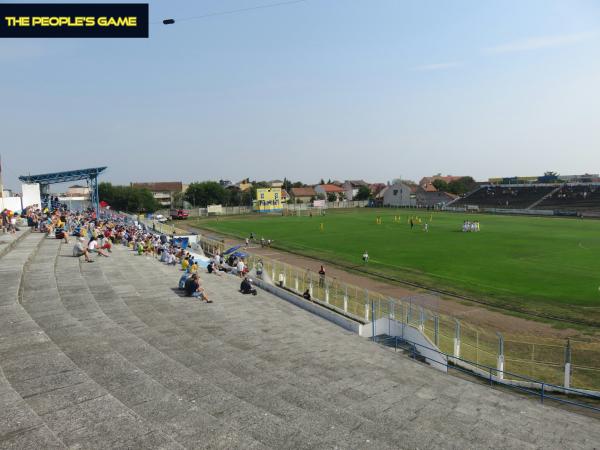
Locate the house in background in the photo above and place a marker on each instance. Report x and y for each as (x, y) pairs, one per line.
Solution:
(77, 191)
(302, 194)
(398, 194)
(351, 188)
(327, 190)
(276, 183)
(163, 191)
(244, 185)
(376, 188)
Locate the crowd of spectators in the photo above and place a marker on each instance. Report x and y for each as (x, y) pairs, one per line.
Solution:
(9, 221)
(98, 236)
(93, 236)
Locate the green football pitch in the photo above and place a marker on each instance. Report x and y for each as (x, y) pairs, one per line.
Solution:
(535, 264)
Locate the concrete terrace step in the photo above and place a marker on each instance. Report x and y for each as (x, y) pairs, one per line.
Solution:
(259, 373)
(9, 241)
(76, 408)
(350, 378)
(147, 380)
(238, 392)
(115, 358)
(20, 426)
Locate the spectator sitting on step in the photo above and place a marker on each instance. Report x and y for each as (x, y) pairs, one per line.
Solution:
(186, 275)
(193, 288)
(171, 259)
(306, 294)
(106, 245)
(164, 254)
(212, 268)
(231, 261)
(79, 250)
(185, 263)
(93, 247)
(246, 287)
(60, 233)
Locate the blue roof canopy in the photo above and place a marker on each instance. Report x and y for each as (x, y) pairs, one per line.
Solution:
(63, 177)
(46, 179)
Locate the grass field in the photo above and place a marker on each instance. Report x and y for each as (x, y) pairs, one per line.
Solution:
(547, 265)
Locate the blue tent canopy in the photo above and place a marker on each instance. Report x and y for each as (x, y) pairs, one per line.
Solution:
(231, 250)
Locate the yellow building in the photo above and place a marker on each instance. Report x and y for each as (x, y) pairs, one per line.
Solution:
(268, 200)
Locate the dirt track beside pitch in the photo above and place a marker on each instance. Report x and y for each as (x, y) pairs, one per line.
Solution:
(485, 317)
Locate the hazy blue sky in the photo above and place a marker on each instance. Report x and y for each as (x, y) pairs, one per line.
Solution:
(372, 89)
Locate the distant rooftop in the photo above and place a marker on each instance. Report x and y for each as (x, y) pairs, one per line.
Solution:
(303, 192)
(171, 186)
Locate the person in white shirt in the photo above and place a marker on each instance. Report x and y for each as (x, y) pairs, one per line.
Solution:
(240, 267)
(94, 248)
(13, 224)
(365, 256)
(79, 250)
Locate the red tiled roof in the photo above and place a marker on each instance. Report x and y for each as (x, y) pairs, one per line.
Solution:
(303, 192)
(331, 188)
(377, 187)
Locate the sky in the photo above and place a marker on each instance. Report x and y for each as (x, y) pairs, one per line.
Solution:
(340, 89)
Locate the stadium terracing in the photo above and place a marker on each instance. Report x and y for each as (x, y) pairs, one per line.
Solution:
(108, 355)
(561, 198)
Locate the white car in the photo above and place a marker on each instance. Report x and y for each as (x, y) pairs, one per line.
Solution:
(160, 218)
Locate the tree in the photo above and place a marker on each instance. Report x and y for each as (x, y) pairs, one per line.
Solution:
(206, 193)
(469, 183)
(127, 198)
(331, 197)
(363, 193)
(287, 184)
(177, 200)
(440, 185)
(322, 181)
(456, 187)
(462, 185)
